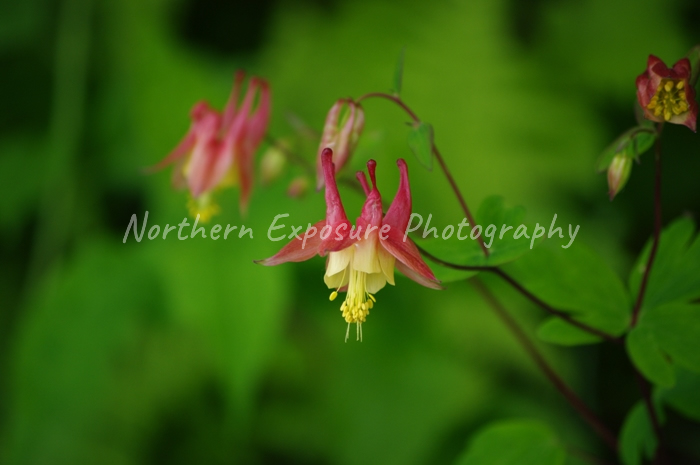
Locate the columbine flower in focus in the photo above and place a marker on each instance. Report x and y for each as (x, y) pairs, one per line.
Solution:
(217, 151)
(666, 95)
(341, 132)
(361, 260)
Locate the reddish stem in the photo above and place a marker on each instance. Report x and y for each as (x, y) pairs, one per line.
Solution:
(579, 405)
(527, 294)
(657, 229)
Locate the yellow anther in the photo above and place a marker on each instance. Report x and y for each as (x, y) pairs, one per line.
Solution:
(680, 85)
(334, 294)
(668, 86)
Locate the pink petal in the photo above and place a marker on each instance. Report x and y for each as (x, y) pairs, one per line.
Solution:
(372, 209)
(257, 126)
(335, 213)
(399, 212)
(230, 110)
(328, 138)
(198, 112)
(341, 152)
(682, 69)
(409, 273)
(407, 253)
(296, 250)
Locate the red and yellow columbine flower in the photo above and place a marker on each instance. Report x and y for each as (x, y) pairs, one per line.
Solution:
(666, 95)
(218, 149)
(361, 260)
(341, 132)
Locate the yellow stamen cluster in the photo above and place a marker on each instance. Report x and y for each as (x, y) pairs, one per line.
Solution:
(204, 206)
(358, 302)
(670, 99)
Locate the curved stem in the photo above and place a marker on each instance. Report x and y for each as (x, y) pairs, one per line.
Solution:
(438, 156)
(645, 388)
(576, 402)
(657, 228)
(527, 294)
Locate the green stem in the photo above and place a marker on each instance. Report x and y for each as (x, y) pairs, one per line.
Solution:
(57, 205)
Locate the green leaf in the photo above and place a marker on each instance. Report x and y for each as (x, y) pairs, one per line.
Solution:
(632, 142)
(557, 331)
(675, 275)
(468, 252)
(514, 442)
(684, 397)
(666, 335)
(420, 140)
(644, 350)
(398, 73)
(637, 438)
(577, 281)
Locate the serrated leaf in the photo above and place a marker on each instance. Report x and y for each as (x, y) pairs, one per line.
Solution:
(514, 442)
(675, 275)
(467, 251)
(420, 140)
(398, 73)
(637, 439)
(633, 142)
(578, 281)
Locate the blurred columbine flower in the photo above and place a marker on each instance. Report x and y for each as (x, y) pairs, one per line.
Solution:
(341, 132)
(618, 173)
(217, 151)
(361, 260)
(666, 95)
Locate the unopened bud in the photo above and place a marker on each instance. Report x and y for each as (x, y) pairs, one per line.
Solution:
(298, 187)
(618, 173)
(273, 162)
(341, 133)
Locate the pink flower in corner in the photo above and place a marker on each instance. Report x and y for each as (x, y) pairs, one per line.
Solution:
(361, 260)
(341, 132)
(218, 149)
(666, 95)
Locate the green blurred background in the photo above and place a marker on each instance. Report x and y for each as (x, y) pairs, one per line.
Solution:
(184, 352)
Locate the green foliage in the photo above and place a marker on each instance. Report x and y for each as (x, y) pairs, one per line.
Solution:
(684, 396)
(420, 140)
(632, 143)
(637, 439)
(398, 73)
(665, 335)
(675, 275)
(467, 251)
(514, 442)
(578, 281)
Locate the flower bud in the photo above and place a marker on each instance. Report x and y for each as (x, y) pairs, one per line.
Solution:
(341, 133)
(618, 173)
(273, 162)
(298, 187)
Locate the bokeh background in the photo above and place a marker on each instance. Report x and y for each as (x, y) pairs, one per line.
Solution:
(182, 352)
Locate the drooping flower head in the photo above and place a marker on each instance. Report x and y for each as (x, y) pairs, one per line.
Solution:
(218, 149)
(666, 95)
(341, 132)
(361, 259)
